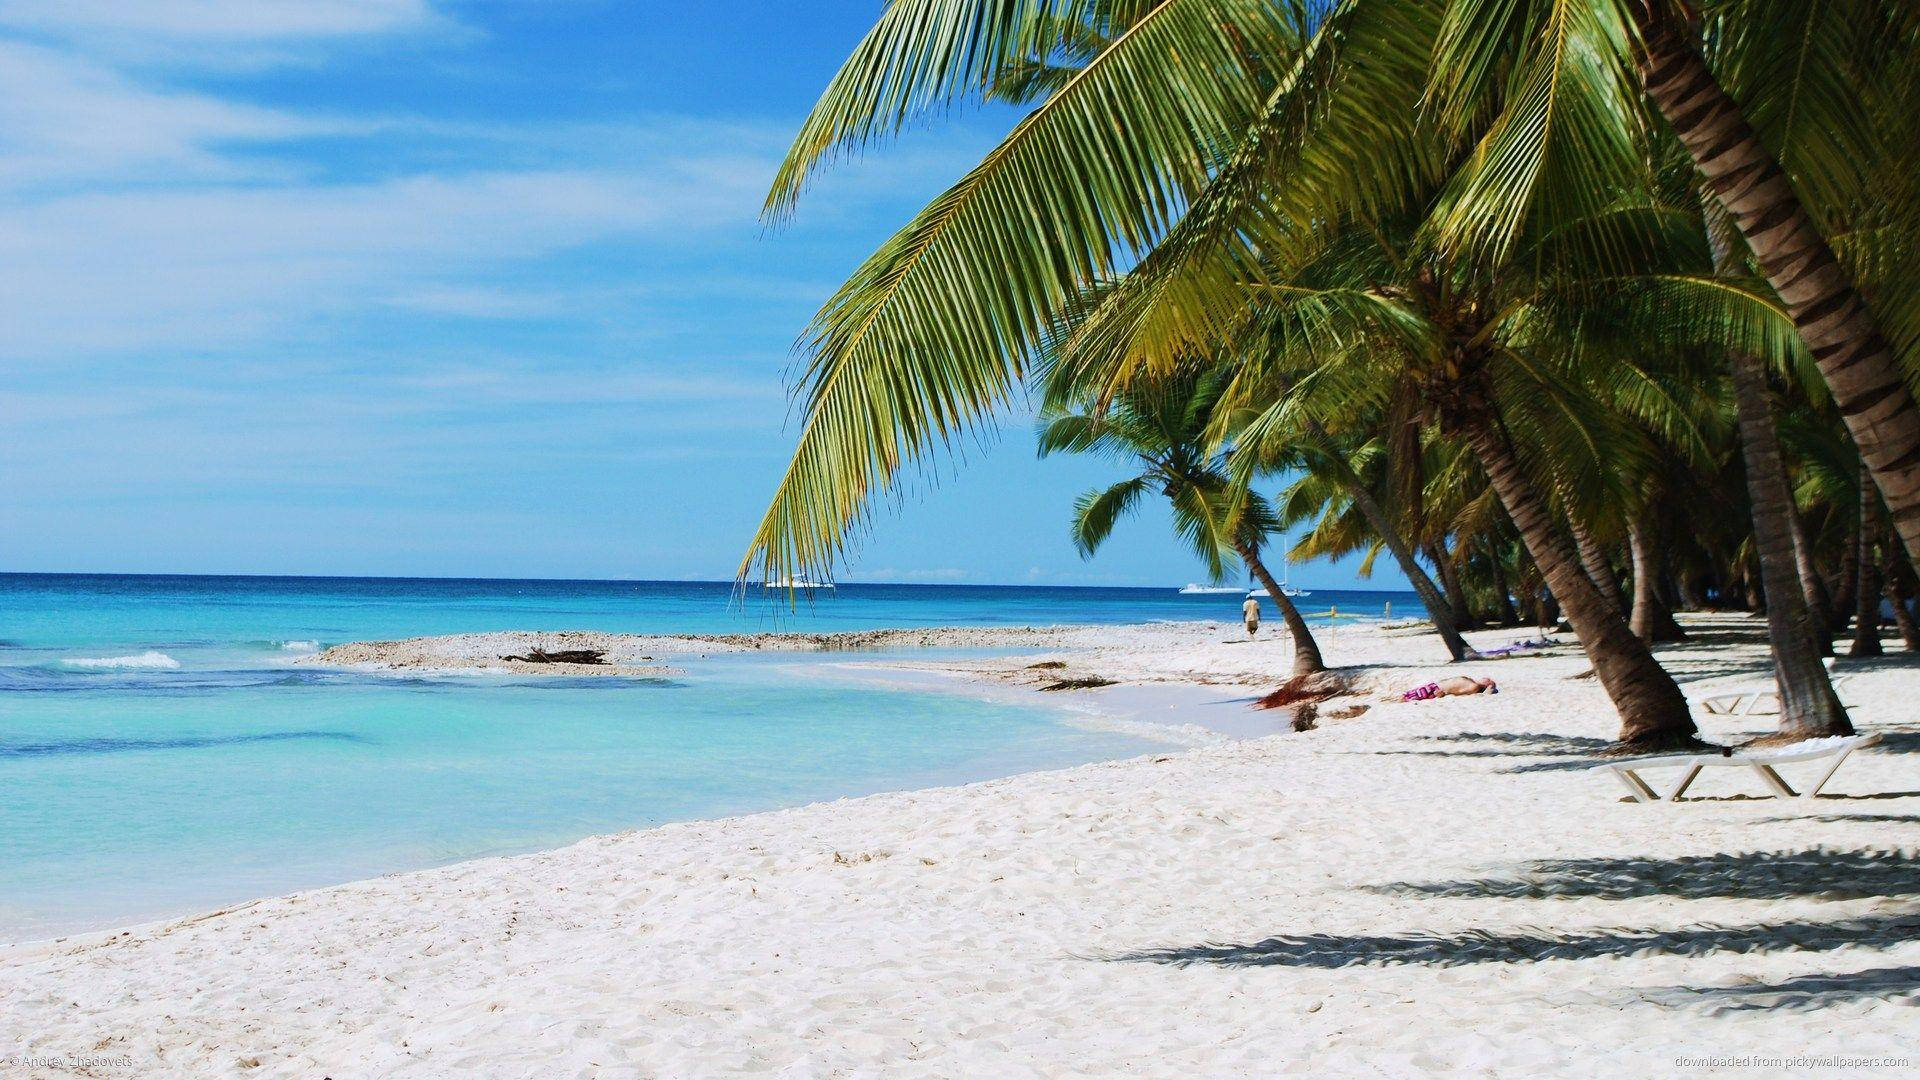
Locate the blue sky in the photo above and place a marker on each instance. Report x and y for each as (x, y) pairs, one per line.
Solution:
(406, 287)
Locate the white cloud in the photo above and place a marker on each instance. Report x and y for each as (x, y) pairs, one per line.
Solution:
(135, 215)
(217, 33)
(224, 19)
(139, 215)
(64, 118)
(210, 265)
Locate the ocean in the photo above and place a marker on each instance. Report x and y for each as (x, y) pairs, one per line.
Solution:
(161, 754)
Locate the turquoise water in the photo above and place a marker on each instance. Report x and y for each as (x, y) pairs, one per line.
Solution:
(160, 754)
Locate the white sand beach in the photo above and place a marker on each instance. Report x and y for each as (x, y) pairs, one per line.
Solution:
(1434, 886)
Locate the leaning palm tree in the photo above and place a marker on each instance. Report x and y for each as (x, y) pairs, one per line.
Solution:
(1808, 706)
(1728, 74)
(1162, 428)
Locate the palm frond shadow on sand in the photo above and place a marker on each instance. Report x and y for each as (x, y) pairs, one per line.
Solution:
(1755, 875)
(1468, 947)
(1565, 751)
(1571, 752)
(1802, 993)
(1814, 873)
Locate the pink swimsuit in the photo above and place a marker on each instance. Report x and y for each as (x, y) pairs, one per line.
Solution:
(1422, 693)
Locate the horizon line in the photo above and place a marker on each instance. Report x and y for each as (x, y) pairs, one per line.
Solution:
(729, 582)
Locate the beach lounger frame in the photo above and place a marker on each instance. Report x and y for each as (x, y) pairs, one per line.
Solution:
(1761, 700)
(1760, 761)
(1757, 702)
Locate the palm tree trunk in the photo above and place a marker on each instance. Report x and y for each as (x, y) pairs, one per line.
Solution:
(1653, 713)
(1866, 589)
(1819, 604)
(1306, 652)
(1833, 320)
(1508, 616)
(1755, 587)
(1668, 586)
(1843, 600)
(1593, 557)
(1450, 580)
(1438, 609)
(1546, 610)
(1688, 586)
(1651, 621)
(1808, 706)
(1896, 593)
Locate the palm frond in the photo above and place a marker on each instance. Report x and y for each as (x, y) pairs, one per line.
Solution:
(1201, 520)
(935, 329)
(921, 55)
(1339, 135)
(1097, 512)
(1566, 136)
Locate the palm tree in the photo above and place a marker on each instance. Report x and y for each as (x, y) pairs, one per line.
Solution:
(1808, 706)
(1162, 429)
(1649, 618)
(1814, 64)
(1333, 465)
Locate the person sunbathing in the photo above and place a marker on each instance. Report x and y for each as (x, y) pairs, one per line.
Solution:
(1455, 686)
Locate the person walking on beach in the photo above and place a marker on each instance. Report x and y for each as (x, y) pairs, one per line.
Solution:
(1251, 612)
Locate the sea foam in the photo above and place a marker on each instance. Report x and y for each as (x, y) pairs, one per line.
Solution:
(149, 659)
(300, 646)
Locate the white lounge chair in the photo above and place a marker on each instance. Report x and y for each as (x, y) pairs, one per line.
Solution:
(1760, 761)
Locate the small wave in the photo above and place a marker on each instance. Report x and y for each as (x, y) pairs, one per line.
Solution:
(188, 742)
(300, 646)
(152, 658)
(599, 682)
(302, 678)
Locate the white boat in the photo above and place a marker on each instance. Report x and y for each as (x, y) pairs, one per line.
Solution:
(1285, 590)
(796, 583)
(1195, 589)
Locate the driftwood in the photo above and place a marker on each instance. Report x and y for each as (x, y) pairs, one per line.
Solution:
(563, 656)
(1085, 683)
(1045, 665)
